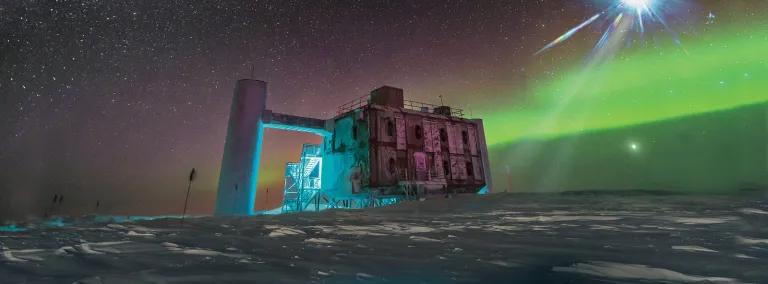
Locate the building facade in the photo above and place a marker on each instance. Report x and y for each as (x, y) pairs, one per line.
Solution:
(378, 150)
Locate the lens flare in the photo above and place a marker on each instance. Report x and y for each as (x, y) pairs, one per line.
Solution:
(570, 33)
(637, 4)
(635, 17)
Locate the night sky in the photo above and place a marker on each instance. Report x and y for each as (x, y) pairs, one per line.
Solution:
(117, 100)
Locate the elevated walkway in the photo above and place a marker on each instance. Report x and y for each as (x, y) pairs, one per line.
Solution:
(294, 123)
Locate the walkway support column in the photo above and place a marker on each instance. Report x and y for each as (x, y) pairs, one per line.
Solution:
(242, 150)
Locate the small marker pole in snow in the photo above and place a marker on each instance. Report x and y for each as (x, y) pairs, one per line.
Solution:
(266, 201)
(234, 198)
(191, 178)
(509, 180)
(96, 210)
(49, 212)
(58, 206)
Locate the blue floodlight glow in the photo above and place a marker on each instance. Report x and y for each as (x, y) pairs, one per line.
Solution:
(320, 132)
(11, 228)
(255, 174)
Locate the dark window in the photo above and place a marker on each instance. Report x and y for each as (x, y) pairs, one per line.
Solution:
(354, 132)
(446, 168)
(470, 170)
(391, 166)
(390, 128)
(419, 131)
(443, 135)
(464, 137)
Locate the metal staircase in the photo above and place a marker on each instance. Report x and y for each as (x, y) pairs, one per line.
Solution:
(303, 187)
(310, 166)
(303, 180)
(291, 189)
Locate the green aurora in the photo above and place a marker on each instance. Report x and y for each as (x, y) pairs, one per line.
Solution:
(657, 119)
(722, 72)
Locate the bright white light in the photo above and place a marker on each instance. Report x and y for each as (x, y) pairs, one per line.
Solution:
(637, 4)
(633, 146)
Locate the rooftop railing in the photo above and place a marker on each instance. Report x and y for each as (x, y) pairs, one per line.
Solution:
(407, 104)
(354, 104)
(430, 108)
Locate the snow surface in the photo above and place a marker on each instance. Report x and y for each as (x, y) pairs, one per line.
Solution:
(692, 249)
(498, 238)
(635, 271)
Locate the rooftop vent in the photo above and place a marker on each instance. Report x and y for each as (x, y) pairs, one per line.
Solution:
(388, 96)
(443, 110)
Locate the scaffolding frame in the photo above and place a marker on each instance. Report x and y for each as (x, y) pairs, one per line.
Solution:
(303, 179)
(303, 188)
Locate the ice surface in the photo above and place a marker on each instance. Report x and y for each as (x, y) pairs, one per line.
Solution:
(280, 232)
(135, 234)
(562, 218)
(502, 263)
(483, 239)
(705, 221)
(751, 241)
(601, 227)
(423, 239)
(692, 249)
(635, 271)
(363, 275)
(320, 241)
(9, 257)
(753, 211)
(741, 255)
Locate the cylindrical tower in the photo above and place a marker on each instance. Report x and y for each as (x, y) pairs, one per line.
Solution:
(242, 150)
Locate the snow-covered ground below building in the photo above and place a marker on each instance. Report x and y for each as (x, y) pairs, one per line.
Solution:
(471, 239)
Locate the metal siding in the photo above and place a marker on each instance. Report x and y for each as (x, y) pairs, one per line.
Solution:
(451, 138)
(383, 119)
(458, 135)
(477, 169)
(454, 167)
(411, 123)
(356, 180)
(374, 167)
(472, 133)
(462, 167)
(438, 162)
(436, 146)
(420, 165)
(420, 159)
(385, 177)
(343, 134)
(400, 132)
(428, 135)
(483, 149)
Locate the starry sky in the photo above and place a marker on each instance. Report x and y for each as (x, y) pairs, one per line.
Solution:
(117, 100)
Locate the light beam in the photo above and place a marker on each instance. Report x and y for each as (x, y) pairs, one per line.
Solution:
(643, 14)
